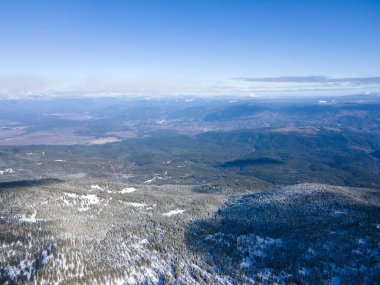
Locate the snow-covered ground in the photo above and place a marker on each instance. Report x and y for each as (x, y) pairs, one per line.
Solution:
(128, 190)
(253, 246)
(124, 190)
(29, 219)
(173, 212)
(134, 204)
(96, 187)
(8, 170)
(84, 201)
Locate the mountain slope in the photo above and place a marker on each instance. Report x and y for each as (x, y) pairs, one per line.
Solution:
(307, 233)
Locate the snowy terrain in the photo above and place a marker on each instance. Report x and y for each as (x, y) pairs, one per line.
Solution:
(113, 234)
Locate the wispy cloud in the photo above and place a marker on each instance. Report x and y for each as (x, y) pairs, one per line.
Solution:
(312, 79)
(22, 86)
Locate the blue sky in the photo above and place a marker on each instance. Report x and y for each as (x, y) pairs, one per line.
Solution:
(191, 47)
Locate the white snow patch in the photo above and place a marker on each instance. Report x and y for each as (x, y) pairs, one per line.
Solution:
(144, 241)
(91, 199)
(304, 271)
(83, 200)
(246, 263)
(361, 241)
(59, 160)
(83, 209)
(139, 205)
(140, 245)
(96, 187)
(128, 190)
(150, 180)
(71, 195)
(31, 219)
(252, 246)
(46, 257)
(8, 170)
(156, 178)
(124, 191)
(87, 200)
(173, 212)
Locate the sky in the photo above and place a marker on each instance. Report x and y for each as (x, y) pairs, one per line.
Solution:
(189, 47)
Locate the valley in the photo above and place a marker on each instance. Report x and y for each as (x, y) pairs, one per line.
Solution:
(194, 198)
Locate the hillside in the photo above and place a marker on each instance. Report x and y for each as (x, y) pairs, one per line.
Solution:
(140, 234)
